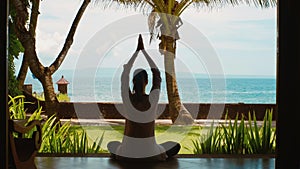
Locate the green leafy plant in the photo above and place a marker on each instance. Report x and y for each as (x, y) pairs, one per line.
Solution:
(59, 138)
(56, 137)
(261, 139)
(238, 137)
(17, 112)
(78, 142)
(16, 107)
(234, 136)
(15, 48)
(209, 143)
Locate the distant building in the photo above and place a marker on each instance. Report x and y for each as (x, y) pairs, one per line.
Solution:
(62, 85)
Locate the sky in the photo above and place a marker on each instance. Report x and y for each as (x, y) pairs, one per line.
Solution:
(237, 40)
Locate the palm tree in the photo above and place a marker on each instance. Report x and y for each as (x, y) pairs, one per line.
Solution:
(30, 57)
(165, 14)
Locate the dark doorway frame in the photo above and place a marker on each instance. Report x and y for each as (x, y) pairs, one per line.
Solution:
(3, 85)
(288, 84)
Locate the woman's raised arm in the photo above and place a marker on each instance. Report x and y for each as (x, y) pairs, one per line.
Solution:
(155, 71)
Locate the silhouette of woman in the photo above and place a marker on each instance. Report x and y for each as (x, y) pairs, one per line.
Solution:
(140, 112)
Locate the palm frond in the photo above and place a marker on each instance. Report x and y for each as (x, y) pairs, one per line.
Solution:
(173, 7)
(220, 3)
(152, 19)
(151, 4)
(137, 5)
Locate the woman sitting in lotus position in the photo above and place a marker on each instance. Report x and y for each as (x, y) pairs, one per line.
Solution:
(140, 112)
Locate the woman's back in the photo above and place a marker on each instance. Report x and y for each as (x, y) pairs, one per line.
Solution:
(140, 114)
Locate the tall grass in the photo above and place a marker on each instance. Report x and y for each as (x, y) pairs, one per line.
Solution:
(56, 137)
(208, 143)
(238, 137)
(234, 138)
(16, 107)
(261, 140)
(17, 112)
(59, 138)
(79, 143)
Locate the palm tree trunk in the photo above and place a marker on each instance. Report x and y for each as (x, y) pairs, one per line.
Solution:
(178, 113)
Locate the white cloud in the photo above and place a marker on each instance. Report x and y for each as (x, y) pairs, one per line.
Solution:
(229, 13)
(49, 42)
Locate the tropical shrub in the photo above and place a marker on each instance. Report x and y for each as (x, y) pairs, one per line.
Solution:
(238, 137)
(59, 138)
(261, 140)
(208, 143)
(56, 137)
(234, 137)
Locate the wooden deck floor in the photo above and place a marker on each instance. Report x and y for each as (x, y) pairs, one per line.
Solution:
(176, 163)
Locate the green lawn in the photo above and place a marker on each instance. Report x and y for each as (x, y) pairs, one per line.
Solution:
(60, 97)
(181, 134)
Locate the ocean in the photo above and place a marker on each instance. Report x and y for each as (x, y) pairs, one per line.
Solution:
(104, 86)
